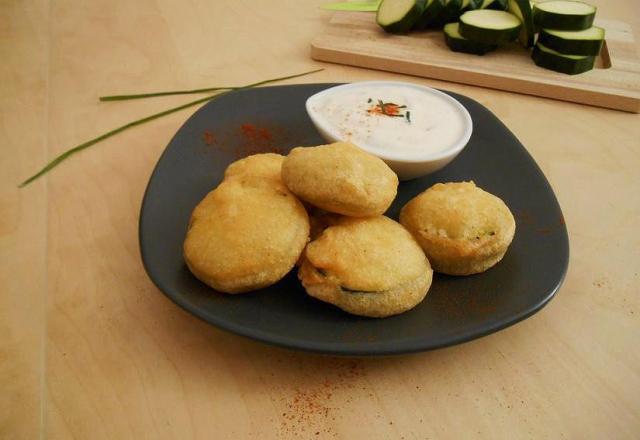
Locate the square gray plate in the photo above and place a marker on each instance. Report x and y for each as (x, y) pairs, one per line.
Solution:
(456, 309)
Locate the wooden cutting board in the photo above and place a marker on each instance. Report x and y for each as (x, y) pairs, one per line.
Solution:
(354, 38)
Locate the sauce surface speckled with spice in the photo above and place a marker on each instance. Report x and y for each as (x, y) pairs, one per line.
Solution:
(392, 119)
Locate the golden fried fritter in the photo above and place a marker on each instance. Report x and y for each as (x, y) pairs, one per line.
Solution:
(462, 229)
(267, 165)
(246, 234)
(340, 178)
(366, 266)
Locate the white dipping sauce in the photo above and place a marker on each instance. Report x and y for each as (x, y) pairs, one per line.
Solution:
(432, 125)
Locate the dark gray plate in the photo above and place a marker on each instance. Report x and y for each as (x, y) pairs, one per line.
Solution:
(457, 309)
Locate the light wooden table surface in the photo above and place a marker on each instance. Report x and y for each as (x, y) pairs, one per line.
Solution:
(90, 349)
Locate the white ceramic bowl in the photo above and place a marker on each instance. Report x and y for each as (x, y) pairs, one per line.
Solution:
(405, 167)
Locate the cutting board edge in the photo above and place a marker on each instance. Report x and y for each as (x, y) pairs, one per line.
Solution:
(614, 101)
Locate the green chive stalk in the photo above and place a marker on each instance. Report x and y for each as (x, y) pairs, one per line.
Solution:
(205, 90)
(70, 152)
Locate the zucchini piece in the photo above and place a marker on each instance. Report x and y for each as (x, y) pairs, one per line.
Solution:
(450, 12)
(569, 64)
(430, 14)
(522, 10)
(359, 292)
(564, 15)
(399, 16)
(458, 43)
(586, 42)
(500, 5)
(469, 5)
(489, 27)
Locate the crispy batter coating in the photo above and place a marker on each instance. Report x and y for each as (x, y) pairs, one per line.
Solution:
(340, 178)
(366, 266)
(267, 165)
(462, 229)
(246, 234)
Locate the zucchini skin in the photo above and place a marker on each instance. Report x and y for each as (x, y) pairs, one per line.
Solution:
(429, 16)
(561, 64)
(472, 5)
(562, 22)
(488, 36)
(573, 47)
(404, 25)
(527, 32)
(498, 5)
(449, 13)
(467, 46)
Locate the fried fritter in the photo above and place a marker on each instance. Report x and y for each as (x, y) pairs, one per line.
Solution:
(366, 266)
(462, 229)
(245, 234)
(267, 165)
(340, 178)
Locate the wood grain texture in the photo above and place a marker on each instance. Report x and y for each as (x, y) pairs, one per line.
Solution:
(23, 137)
(122, 361)
(356, 39)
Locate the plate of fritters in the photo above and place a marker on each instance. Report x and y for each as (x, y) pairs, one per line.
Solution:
(266, 243)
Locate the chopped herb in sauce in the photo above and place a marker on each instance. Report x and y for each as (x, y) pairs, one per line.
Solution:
(389, 109)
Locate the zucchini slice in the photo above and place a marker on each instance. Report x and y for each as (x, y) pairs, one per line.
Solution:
(469, 5)
(553, 60)
(489, 27)
(500, 5)
(522, 10)
(399, 16)
(458, 43)
(450, 12)
(432, 9)
(360, 292)
(586, 42)
(564, 15)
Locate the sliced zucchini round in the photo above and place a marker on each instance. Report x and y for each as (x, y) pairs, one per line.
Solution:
(489, 27)
(586, 42)
(432, 9)
(458, 43)
(469, 5)
(553, 60)
(564, 15)
(450, 12)
(499, 5)
(522, 10)
(399, 16)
